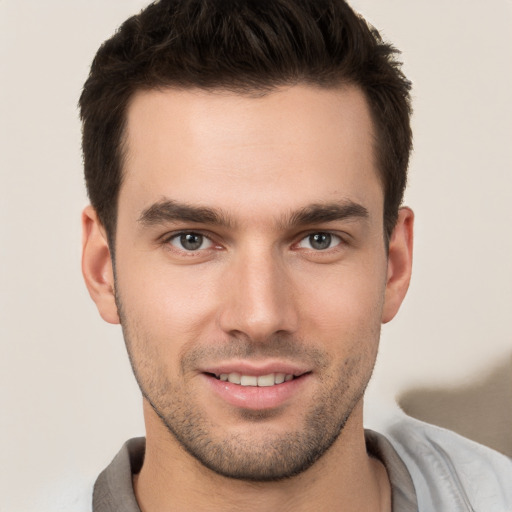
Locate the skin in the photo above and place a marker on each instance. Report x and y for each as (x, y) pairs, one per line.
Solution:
(257, 293)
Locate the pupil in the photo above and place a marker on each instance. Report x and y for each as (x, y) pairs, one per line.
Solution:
(191, 241)
(320, 241)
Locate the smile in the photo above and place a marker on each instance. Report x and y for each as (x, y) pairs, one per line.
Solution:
(254, 388)
(271, 379)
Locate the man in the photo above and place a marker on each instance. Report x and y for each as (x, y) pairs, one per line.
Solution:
(246, 162)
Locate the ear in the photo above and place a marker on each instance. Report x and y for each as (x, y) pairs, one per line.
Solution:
(97, 265)
(399, 264)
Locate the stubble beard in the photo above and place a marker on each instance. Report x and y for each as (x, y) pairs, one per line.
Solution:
(274, 455)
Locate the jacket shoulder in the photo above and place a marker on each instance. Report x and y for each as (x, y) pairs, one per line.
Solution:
(449, 471)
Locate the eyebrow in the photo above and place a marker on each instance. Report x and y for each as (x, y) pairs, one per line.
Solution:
(168, 210)
(328, 212)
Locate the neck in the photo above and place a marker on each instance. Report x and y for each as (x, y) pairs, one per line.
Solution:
(345, 475)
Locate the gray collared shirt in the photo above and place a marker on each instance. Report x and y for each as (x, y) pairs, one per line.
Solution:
(113, 490)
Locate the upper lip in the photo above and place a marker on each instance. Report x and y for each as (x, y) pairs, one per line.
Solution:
(256, 369)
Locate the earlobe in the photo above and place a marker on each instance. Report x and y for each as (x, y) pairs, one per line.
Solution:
(97, 266)
(399, 264)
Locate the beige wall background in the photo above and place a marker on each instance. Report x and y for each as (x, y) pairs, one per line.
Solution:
(67, 397)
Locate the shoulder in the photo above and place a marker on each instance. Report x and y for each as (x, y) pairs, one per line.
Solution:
(450, 470)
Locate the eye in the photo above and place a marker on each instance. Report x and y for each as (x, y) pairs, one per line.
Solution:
(190, 241)
(320, 241)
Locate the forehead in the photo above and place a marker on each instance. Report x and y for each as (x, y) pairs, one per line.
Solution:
(294, 146)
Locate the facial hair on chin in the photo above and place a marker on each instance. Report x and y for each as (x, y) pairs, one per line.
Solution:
(273, 455)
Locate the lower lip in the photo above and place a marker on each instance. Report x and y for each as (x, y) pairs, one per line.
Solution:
(255, 397)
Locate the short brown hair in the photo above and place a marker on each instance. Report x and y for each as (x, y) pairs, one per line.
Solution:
(244, 46)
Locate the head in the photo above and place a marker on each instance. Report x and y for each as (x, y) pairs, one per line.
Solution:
(247, 160)
(247, 47)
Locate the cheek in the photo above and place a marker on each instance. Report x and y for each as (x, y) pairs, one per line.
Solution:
(347, 306)
(167, 303)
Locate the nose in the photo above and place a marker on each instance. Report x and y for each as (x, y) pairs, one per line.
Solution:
(259, 299)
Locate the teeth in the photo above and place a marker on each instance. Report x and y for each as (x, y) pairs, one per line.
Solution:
(266, 380)
(234, 378)
(280, 378)
(250, 380)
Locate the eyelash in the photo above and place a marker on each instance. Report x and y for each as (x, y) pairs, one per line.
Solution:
(331, 237)
(167, 241)
(304, 237)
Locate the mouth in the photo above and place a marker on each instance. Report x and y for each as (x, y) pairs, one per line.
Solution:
(268, 380)
(250, 387)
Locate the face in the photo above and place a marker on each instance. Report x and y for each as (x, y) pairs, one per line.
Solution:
(251, 270)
